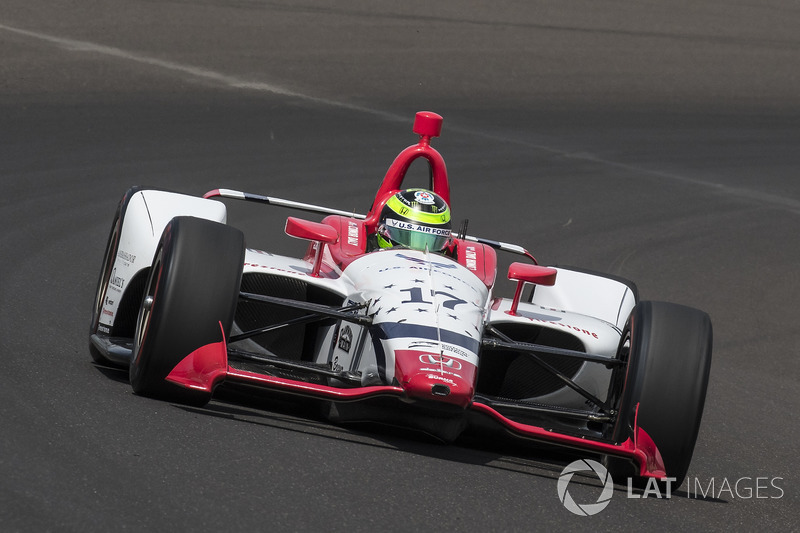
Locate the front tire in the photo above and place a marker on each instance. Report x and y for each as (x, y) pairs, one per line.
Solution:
(669, 360)
(193, 287)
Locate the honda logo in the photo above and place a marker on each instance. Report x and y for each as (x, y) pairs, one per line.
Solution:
(431, 359)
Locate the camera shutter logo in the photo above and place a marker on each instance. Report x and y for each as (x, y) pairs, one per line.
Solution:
(585, 509)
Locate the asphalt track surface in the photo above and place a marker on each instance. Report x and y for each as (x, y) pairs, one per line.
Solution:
(657, 141)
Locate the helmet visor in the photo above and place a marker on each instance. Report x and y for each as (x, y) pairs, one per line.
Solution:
(416, 236)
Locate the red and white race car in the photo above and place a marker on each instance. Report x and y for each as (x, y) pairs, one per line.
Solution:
(400, 335)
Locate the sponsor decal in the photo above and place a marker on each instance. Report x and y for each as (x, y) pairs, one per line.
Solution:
(442, 379)
(431, 359)
(352, 234)
(345, 338)
(411, 226)
(471, 257)
(424, 197)
(115, 280)
(545, 319)
(455, 349)
(126, 256)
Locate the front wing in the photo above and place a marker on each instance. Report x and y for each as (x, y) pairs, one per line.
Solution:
(207, 367)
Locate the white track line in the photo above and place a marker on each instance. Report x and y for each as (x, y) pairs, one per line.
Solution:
(192, 71)
(243, 84)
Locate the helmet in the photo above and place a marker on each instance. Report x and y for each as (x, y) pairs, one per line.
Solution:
(415, 218)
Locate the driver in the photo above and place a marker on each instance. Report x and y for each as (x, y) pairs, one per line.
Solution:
(414, 218)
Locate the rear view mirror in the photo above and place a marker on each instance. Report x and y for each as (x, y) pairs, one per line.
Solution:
(312, 231)
(526, 273)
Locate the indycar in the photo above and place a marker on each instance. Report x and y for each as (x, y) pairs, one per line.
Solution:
(415, 339)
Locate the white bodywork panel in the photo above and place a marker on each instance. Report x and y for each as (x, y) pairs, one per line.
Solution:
(147, 214)
(598, 336)
(587, 294)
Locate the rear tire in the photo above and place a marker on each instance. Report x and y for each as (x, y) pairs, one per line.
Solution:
(669, 360)
(193, 287)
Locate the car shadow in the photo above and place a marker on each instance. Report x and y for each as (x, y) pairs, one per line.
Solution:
(305, 416)
(114, 373)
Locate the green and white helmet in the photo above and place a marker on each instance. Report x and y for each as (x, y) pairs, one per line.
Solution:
(415, 218)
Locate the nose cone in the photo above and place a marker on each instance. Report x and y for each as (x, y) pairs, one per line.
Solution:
(435, 377)
(439, 388)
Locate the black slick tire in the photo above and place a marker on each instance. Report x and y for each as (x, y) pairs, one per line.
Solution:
(193, 287)
(668, 347)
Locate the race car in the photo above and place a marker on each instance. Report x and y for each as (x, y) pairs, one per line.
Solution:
(394, 320)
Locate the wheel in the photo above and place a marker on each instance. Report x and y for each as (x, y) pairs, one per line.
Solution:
(668, 347)
(193, 286)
